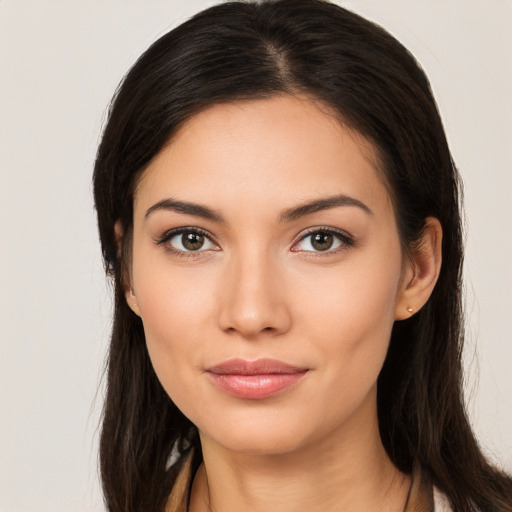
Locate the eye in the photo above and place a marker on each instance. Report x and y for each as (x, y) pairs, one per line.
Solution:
(187, 240)
(323, 240)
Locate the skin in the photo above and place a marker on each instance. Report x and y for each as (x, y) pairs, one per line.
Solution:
(257, 288)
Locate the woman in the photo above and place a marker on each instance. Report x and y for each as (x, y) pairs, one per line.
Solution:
(279, 210)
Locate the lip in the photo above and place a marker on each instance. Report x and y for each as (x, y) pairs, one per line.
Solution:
(255, 380)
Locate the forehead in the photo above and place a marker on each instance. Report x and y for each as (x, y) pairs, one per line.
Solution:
(274, 151)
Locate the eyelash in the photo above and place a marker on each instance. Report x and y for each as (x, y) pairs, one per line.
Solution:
(346, 241)
(169, 235)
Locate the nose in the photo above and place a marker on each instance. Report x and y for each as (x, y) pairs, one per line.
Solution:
(253, 299)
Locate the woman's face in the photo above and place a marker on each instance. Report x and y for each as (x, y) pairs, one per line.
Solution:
(267, 269)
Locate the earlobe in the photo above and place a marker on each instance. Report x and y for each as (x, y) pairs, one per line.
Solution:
(131, 299)
(129, 294)
(421, 272)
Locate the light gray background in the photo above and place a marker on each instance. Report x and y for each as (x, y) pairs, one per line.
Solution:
(60, 62)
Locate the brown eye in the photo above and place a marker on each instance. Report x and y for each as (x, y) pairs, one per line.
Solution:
(322, 241)
(188, 240)
(192, 241)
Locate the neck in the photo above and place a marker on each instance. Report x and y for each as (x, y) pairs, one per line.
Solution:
(345, 470)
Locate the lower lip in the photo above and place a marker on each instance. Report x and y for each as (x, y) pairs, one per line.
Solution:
(255, 387)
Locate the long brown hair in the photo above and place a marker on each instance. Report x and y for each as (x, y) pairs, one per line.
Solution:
(241, 50)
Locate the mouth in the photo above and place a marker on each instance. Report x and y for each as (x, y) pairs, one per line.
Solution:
(255, 380)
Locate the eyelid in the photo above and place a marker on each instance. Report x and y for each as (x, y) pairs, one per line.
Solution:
(346, 239)
(171, 233)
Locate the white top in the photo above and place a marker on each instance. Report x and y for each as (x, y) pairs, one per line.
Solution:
(441, 503)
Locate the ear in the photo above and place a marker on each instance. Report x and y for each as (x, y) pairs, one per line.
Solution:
(126, 279)
(421, 271)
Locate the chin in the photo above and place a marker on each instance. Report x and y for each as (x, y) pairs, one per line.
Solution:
(265, 443)
(262, 433)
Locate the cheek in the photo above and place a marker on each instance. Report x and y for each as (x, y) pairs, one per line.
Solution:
(176, 309)
(350, 313)
(358, 295)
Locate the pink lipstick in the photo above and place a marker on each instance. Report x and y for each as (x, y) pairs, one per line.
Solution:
(254, 380)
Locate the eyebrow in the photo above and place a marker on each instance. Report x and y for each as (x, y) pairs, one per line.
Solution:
(318, 205)
(287, 215)
(187, 208)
